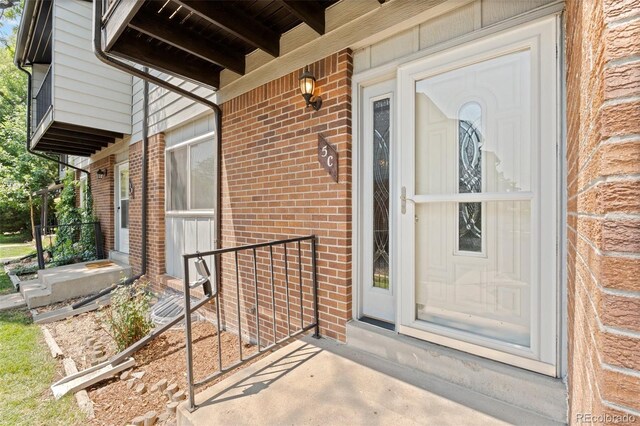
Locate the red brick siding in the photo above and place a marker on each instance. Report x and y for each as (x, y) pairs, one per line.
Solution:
(603, 162)
(155, 209)
(103, 201)
(273, 188)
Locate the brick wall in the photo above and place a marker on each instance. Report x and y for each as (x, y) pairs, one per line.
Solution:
(103, 202)
(155, 209)
(273, 188)
(603, 162)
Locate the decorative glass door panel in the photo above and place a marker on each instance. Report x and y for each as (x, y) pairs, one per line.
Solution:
(478, 213)
(378, 300)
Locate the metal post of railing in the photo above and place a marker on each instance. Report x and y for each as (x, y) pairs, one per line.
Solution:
(273, 295)
(314, 273)
(300, 277)
(97, 232)
(39, 249)
(257, 307)
(217, 293)
(286, 280)
(238, 303)
(187, 330)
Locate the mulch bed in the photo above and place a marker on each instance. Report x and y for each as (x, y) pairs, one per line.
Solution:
(164, 358)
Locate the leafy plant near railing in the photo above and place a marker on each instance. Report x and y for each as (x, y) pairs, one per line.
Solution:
(127, 318)
(74, 243)
(25, 270)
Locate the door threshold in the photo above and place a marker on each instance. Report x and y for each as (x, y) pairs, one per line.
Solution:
(378, 323)
(543, 395)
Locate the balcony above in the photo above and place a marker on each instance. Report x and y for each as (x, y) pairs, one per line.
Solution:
(78, 105)
(196, 40)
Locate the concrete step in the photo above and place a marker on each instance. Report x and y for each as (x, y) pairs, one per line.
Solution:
(119, 256)
(12, 301)
(35, 293)
(323, 382)
(71, 281)
(539, 394)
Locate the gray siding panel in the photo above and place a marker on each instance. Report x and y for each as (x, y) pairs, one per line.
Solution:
(86, 91)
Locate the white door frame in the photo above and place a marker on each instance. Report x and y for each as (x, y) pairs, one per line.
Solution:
(116, 199)
(556, 351)
(374, 303)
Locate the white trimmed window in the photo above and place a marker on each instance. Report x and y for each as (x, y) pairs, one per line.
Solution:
(190, 168)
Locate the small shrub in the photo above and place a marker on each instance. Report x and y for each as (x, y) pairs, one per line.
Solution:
(127, 317)
(25, 270)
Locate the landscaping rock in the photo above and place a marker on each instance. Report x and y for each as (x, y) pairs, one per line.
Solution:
(160, 386)
(150, 418)
(141, 388)
(90, 341)
(172, 407)
(178, 396)
(130, 383)
(138, 421)
(164, 417)
(138, 374)
(126, 375)
(171, 389)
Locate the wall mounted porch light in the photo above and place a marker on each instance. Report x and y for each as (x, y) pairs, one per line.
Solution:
(308, 88)
(102, 173)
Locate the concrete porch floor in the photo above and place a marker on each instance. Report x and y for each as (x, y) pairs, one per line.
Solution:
(321, 382)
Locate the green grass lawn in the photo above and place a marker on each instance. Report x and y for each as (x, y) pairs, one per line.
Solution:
(16, 250)
(26, 372)
(6, 286)
(14, 238)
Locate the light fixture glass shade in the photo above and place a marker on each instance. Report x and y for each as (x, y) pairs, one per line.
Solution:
(308, 88)
(307, 84)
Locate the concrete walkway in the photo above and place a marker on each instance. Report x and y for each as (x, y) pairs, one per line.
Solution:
(12, 301)
(321, 382)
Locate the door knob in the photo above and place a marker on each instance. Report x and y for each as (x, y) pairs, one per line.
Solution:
(403, 200)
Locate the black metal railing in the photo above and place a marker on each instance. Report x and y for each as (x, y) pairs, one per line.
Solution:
(87, 233)
(266, 292)
(43, 99)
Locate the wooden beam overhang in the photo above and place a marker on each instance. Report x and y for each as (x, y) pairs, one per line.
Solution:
(237, 23)
(56, 149)
(71, 139)
(197, 39)
(189, 42)
(134, 47)
(86, 131)
(90, 146)
(75, 139)
(310, 12)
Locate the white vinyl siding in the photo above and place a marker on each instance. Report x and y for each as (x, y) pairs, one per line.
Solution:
(86, 92)
(470, 17)
(167, 110)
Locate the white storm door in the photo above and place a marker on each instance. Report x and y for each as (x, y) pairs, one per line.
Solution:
(477, 226)
(122, 207)
(378, 290)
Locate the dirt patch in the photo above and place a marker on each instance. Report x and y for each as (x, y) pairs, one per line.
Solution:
(115, 403)
(70, 334)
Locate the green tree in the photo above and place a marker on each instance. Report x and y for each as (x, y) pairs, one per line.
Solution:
(21, 173)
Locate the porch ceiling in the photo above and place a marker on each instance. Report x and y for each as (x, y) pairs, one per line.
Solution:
(37, 48)
(198, 39)
(62, 138)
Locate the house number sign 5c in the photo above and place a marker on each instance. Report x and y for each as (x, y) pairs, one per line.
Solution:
(328, 157)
